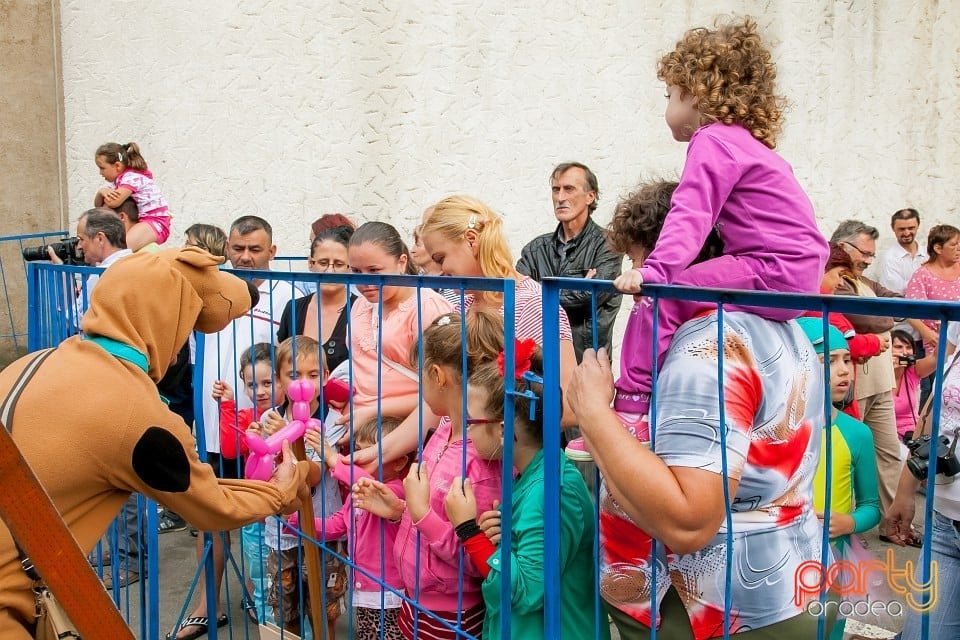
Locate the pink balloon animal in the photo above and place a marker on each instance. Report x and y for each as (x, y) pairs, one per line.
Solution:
(263, 451)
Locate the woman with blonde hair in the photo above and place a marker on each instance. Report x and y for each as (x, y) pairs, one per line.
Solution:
(465, 237)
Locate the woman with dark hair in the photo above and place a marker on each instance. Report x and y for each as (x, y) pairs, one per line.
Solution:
(937, 279)
(385, 323)
(908, 371)
(323, 317)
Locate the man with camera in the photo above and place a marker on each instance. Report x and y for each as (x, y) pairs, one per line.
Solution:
(101, 240)
(936, 450)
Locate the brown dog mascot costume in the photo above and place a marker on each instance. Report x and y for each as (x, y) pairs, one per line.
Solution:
(94, 429)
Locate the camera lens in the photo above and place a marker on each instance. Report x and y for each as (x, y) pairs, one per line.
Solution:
(31, 254)
(918, 467)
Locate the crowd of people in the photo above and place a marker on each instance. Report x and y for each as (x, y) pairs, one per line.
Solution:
(409, 459)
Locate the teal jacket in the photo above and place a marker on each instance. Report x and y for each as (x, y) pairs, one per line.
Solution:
(578, 571)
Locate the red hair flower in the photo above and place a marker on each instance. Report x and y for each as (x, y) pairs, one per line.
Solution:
(523, 350)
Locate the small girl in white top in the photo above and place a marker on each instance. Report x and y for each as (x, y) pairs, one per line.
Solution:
(125, 171)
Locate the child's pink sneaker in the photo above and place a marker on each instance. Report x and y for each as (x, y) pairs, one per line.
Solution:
(576, 450)
(637, 425)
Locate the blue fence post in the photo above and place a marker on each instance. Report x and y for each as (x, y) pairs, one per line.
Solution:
(552, 412)
(934, 434)
(153, 573)
(506, 519)
(825, 551)
(35, 306)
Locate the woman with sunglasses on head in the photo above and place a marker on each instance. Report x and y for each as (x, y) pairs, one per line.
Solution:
(937, 279)
(324, 317)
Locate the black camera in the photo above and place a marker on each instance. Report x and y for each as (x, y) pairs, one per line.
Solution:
(66, 250)
(907, 361)
(946, 457)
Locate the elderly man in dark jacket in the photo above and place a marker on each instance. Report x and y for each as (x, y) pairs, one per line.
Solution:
(576, 249)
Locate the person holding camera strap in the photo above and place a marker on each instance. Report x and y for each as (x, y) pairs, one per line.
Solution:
(945, 524)
(908, 371)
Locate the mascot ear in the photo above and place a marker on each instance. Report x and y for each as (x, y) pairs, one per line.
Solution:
(197, 257)
(224, 297)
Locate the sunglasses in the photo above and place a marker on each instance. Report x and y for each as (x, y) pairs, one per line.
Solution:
(473, 421)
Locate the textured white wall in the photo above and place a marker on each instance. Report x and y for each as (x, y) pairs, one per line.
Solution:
(288, 109)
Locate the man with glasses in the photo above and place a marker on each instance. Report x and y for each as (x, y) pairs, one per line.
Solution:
(874, 379)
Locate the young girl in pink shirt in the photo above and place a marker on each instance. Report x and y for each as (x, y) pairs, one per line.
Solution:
(427, 540)
(721, 100)
(122, 166)
(368, 533)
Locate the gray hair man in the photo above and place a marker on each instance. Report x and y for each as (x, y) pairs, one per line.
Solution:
(576, 249)
(875, 379)
(102, 238)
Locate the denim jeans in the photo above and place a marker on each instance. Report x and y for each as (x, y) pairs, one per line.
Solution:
(945, 615)
(129, 550)
(255, 553)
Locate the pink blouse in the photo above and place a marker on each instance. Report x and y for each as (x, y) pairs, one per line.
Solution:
(926, 285)
(906, 401)
(401, 329)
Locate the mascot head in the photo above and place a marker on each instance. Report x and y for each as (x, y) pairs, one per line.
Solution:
(153, 301)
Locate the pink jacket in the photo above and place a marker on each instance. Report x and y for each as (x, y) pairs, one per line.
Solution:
(435, 586)
(367, 537)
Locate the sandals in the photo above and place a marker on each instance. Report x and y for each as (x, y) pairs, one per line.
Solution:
(916, 539)
(200, 624)
(251, 610)
(103, 561)
(126, 578)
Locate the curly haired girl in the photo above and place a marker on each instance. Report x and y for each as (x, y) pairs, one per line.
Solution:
(722, 100)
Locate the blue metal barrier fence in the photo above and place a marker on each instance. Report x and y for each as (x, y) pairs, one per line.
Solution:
(13, 317)
(899, 308)
(53, 317)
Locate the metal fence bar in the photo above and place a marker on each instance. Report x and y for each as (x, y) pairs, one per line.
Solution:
(11, 274)
(552, 411)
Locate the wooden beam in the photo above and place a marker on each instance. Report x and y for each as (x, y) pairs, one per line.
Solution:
(36, 525)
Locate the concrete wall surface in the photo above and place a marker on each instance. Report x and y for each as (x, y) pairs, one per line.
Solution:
(32, 176)
(291, 109)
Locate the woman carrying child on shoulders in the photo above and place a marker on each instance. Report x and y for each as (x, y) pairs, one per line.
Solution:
(721, 99)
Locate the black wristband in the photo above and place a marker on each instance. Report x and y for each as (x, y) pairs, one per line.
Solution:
(468, 529)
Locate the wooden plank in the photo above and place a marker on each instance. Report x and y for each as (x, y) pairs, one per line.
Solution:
(36, 525)
(318, 615)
